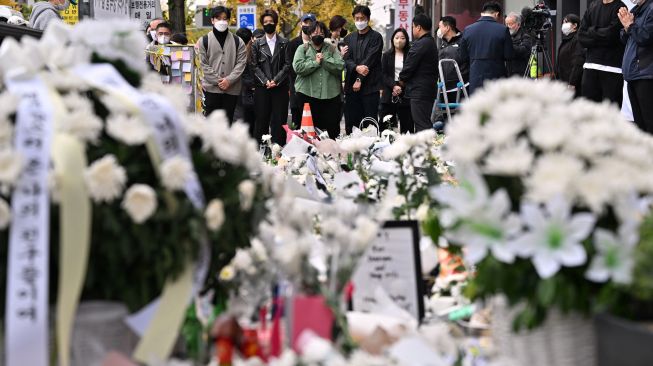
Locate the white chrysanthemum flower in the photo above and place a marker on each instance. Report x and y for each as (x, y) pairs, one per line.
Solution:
(130, 130)
(266, 138)
(175, 172)
(259, 251)
(615, 257)
(140, 202)
(515, 159)
(11, 165)
(464, 142)
(247, 192)
(105, 179)
(214, 215)
(553, 174)
(461, 201)
(364, 233)
(194, 124)
(80, 120)
(114, 39)
(357, 144)
(242, 260)
(5, 214)
(287, 358)
(227, 273)
(554, 237)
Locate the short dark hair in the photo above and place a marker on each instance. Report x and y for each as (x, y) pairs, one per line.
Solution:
(361, 9)
(269, 13)
(320, 25)
(179, 38)
(572, 18)
(423, 21)
(245, 34)
(336, 22)
(491, 7)
(449, 21)
(215, 12)
(164, 25)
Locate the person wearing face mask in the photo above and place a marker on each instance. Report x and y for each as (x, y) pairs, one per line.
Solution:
(488, 46)
(393, 101)
(163, 33)
(450, 48)
(44, 12)
(522, 44)
(223, 58)
(338, 33)
(319, 68)
(599, 34)
(150, 32)
(419, 77)
(638, 60)
(271, 67)
(571, 55)
(307, 20)
(362, 70)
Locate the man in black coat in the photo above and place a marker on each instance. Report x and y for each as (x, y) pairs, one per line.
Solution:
(599, 33)
(271, 67)
(522, 45)
(488, 46)
(363, 81)
(296, 109)
(420, 73)
(571, 55)
(451, 48)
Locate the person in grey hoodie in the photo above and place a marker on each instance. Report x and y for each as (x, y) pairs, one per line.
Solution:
(45, 11)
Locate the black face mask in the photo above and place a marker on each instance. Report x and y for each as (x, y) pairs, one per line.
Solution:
(318, 40)
(343, 33)
(305, 30)
(269, 28)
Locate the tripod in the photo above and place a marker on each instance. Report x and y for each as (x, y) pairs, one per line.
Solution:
(539, 59)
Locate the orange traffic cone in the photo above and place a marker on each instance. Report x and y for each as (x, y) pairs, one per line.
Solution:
(307, 122)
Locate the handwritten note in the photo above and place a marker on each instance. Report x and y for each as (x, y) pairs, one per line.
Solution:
(186, 67)
(392, 263)
(176, 65)
(186, 56)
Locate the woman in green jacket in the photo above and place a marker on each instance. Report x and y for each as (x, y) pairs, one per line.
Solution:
(319, 69)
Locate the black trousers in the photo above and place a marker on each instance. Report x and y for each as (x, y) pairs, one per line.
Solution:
(245, 113)
(640, 93)
(326, 113)
(421, 110)
(215, 101)
(400, 112)
(602, 85)
(359, 106)
(271, 113)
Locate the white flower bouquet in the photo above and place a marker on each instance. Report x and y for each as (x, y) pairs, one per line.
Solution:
(548, 204)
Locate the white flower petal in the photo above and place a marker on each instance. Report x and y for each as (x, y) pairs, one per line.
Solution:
(572, 255)
(581, 225)
(545, 265)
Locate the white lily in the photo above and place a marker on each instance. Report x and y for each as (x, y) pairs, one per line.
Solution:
(555, 235)
(615, 256)
(470, 195)
(491, 228)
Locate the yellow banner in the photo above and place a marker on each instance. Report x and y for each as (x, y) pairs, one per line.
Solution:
(70, 15)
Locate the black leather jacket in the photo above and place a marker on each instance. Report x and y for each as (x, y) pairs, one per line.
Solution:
(271, 67)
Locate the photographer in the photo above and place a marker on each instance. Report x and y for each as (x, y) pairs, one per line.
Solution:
(599, 33)
(522, 43)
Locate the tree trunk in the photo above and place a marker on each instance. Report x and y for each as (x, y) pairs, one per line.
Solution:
(177, 15)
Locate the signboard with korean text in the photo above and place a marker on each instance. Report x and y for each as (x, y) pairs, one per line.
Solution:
(404, 14)
(144, 11)
(246, 17)
(391, 262)
(103, 9)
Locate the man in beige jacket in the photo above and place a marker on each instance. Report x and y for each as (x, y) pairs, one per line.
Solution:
(223, 58)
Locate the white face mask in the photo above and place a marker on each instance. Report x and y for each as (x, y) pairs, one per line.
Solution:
(163, 39)
(361, 25)
(566, 28)
(439, 33)
(153, 35)
(221, 25)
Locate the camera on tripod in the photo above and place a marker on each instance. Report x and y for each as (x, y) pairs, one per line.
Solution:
(537, 19)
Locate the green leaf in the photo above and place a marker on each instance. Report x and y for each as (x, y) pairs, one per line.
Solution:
(546, 291)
